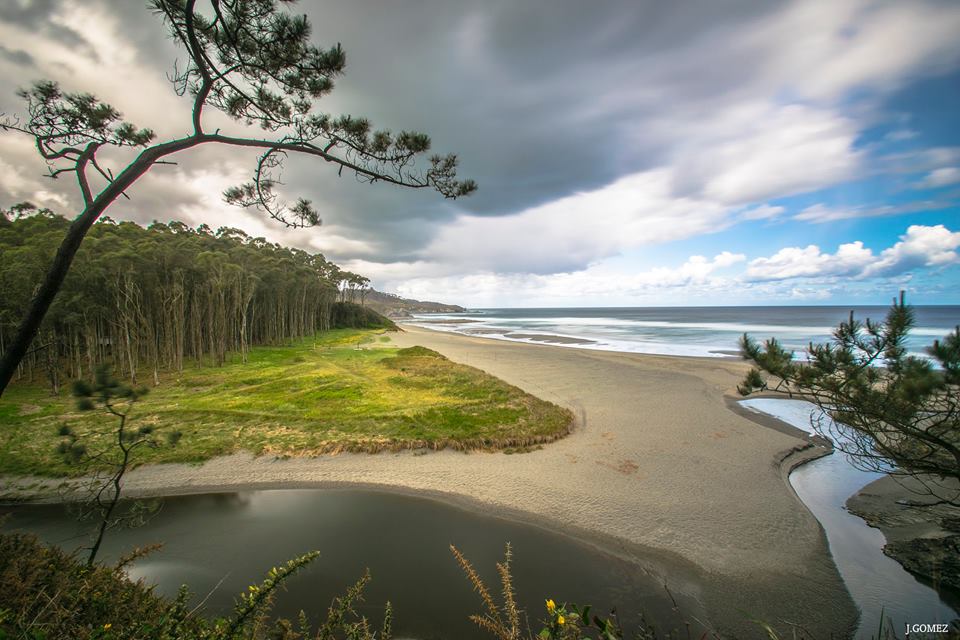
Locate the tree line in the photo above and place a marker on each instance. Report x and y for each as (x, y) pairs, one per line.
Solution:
(147, 299)
(253, 61)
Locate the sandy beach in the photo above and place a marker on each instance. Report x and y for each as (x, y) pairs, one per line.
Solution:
(660, 468)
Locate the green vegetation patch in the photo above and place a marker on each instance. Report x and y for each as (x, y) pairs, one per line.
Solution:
(339, 391)
(48, 594)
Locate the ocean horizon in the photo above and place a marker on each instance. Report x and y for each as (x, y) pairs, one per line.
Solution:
(685, 331)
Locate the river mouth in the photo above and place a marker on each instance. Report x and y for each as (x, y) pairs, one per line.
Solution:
(879, 585)
(221, 543)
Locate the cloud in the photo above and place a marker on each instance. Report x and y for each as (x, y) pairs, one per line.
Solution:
(763, 212)
(596, 284)
(16, 56)
(45, 17)
(592, 131)
(790, 274)
(940, 178)
(570, 233)
(918, 160)
(839, 46)
(770, 152)
(821, 213)
(900, 135)
(921, 246)
(808, 262)
(22, 177)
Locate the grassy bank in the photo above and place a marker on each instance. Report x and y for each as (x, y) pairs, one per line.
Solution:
(343, 390)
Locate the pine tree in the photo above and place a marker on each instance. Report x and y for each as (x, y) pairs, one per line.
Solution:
(888, 411)
(253, 61)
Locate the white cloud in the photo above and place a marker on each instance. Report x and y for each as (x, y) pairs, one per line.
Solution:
(921, 246)
(569, 233)
(22, 176)
(900, 135)
(792, 273)
(772, 152)
(598, 284)
(940, 178)
(696, 270)
(807, 262)
(763, 212)
(821, 213)
(835, 46)
(115, 74)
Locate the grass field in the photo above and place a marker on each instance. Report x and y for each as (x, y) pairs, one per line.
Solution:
(343, 390)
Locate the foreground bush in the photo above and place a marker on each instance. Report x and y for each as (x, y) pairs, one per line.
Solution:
(47, 594)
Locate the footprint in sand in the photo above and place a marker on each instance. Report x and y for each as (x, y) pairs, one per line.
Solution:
(626, 467)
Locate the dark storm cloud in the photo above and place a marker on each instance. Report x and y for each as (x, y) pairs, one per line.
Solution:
(537, 96)
(155, 49)
(521, 93)
(16, 56)
(36, 16)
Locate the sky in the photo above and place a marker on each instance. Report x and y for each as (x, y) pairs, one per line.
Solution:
(628, 153)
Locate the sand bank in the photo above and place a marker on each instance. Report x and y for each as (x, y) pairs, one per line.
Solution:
(922, 540)
(660, 468)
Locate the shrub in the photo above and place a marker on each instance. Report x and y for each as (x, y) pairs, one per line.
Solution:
(48, 594)
(347, 315)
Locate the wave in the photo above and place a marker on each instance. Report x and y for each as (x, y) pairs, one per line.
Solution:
(726, 327)
(591, 343)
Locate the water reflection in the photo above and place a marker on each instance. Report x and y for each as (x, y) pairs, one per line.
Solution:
(221, 543)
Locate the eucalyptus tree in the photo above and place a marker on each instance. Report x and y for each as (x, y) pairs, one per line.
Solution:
(149, 299)
(254, 62)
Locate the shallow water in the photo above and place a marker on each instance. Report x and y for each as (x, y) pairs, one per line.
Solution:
(221, 543)
(876, 582)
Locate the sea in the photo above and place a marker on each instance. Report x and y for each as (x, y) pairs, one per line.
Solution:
(712, 332)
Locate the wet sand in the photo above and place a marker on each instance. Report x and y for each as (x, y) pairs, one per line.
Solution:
(659, 469)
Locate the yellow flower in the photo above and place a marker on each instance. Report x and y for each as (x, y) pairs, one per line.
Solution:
(551, 607)
(107, 626)
(560, 620)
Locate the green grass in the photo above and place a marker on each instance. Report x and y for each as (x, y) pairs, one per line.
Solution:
(321, 395)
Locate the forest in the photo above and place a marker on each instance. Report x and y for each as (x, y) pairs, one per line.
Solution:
(149, 299)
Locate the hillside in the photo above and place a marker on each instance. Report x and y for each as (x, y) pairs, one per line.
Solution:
(393, 306)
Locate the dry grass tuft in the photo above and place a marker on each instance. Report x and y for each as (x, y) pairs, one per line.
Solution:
(505, 624)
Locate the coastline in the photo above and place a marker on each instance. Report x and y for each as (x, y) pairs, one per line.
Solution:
(923, 541)
(659, 470)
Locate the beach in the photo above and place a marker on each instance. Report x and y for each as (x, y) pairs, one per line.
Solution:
(659, 468)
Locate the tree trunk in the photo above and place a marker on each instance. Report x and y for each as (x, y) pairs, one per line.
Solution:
(30, 325)
(41, 302)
